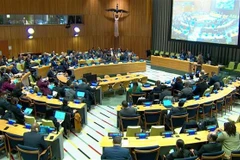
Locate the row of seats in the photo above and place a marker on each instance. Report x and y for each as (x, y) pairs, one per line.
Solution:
(231, 67)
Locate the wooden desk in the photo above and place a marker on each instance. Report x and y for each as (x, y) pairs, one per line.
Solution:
(82, 107)
(110, 69)
(25, 80)
(180, 65)
(56, 142)
(42, 71)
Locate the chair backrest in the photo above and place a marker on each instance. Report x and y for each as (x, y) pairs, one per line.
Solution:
(216, 155)
(189, 158)
(235, 155)
(126, 84)
(238, 66)
(144, 80)
(178, 121)
(172, 54)
(152, 117)
(48, 123)
(119, 75)
(192, 111)
(29, 119)
(145, 153)
(132, 130)
(207, 91)
(129, 121)
(26, 152)
(136, 96)
(157, 130)
(116, 86)
(54, 106)
(13, 141)
(231, 65)
(40, 107)
(106, 76)
(211, 88)
(24, 102)
(105, 87)
(219, 104)
(207, 107)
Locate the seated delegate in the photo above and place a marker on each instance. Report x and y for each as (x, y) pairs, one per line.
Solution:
(127, 111)
(116, 152)
(135, 88)
(180, 152)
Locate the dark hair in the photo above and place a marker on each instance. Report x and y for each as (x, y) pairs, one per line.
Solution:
(117, 140)
(181, 103)
(213, 137)
(180, 145)
(124, 104)
(230, 128)
(135, 85)
(84, 80)
(158, 83)
(65, 102)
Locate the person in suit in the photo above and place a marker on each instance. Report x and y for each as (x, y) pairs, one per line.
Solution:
(213, 79)
(116, 152)
(158, 87)
(187, 91)
(200, 87)
(14, 69)
(85, 86)
(211, 147)
(166, 92)
(51, 74)
(127, 111)
(190, 56)
(35, 140)
(175, 111)
(181, 152)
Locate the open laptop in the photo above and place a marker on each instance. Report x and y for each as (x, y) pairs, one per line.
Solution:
(44, 130)
(60, 116)
(27, 111)
(80, 94)
(167, 103)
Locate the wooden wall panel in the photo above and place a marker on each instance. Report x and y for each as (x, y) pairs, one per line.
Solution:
(97, 30)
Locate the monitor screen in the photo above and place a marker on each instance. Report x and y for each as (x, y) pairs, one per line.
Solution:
(43, 130)
(91, 78)
(80, 81)
(112, 134)
(142, 135)
(86, 74)
(167, 103)
(210, 21)
(147, 104)
(28, 111)
(80, 94)
(60, 115)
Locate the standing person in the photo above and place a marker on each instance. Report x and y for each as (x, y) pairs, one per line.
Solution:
(199, 62)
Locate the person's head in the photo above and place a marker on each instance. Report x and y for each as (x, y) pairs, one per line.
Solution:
(38, 78)
(181, 103)
(158, 83)
(72, 77)
(179, 79)
(84, 80)
(212, 137)
(191, 76)
(213, 74)
(35, 127)
(65, 102)
(180, 144)
(230, 128)
(187, 84)
(14, 100)
(124, 104)
(117, 140)
(189, 53)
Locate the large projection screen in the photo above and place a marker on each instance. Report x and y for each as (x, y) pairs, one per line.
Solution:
(210, 21)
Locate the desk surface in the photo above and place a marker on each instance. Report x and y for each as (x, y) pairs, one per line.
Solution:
(202, 100)
(20, 130)
(180, 65)
(54, 101)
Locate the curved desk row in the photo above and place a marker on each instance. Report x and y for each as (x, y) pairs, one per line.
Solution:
(56, 140)
(202, 100)
(180, 65)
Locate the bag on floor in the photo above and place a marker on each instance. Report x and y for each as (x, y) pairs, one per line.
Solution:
(77, 122)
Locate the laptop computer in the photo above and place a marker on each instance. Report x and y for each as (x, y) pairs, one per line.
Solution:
(167, 103)
(60, 116)
(80, 81)
(27, 111)
(80, 94)
(44, 130)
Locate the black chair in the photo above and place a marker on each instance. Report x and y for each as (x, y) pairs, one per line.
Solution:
(12, 142)
(136, 96)
(216, 156)
(206, 109)
(25, 152)
(40, 108)
(189, 125)
(3, 146)
(129, 121)
(193, 112)
(235, 155)
(177, 121)
(25, 102)
(189, 158)
(144, 153)
(152, 118)
(219, 105)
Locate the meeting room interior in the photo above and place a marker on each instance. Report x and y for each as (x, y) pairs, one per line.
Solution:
(119, 80)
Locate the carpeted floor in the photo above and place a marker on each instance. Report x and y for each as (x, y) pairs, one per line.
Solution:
(102, 119)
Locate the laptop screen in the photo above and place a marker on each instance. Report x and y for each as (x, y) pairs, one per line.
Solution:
(28, 111)
(80, 94)
(44, 130)
(80, 81)
(167, 103)
(60, 115)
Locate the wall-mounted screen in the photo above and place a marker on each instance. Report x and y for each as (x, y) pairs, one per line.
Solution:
(211, 21)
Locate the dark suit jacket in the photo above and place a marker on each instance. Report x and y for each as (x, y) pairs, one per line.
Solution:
(51, 74)
(174, 155)
(209, 148)
(213, 80)
(35, 140)
(15, 70)
(85, 86)
(176, 111)
(116, 153)
(201, 87)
